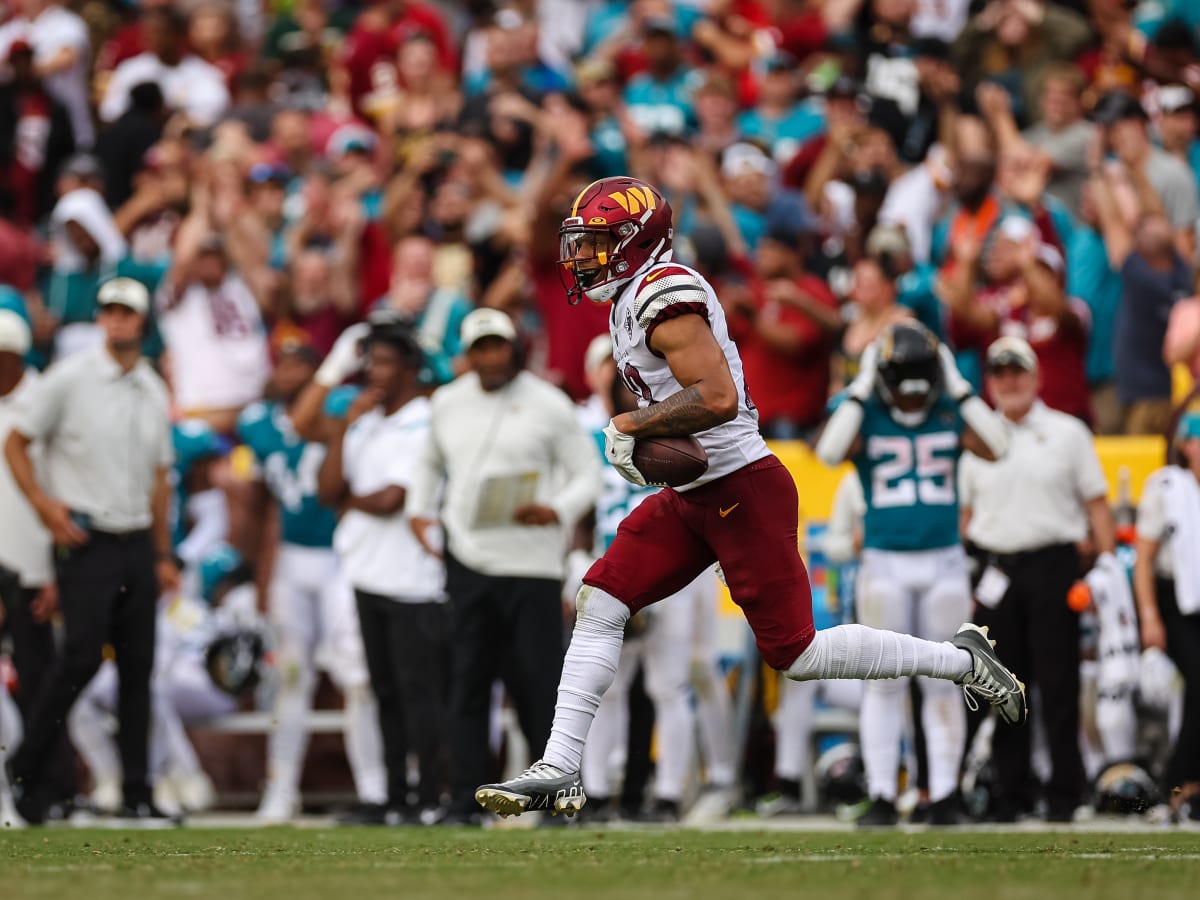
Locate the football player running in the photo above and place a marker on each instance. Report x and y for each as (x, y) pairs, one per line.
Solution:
(673, 349)
(916, 414)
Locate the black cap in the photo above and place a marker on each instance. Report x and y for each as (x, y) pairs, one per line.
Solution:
(844, 86)
(659, 25)
(782, 62)
(1116, 107)
(931, 48)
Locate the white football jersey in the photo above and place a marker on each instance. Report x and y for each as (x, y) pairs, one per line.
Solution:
(663, 291)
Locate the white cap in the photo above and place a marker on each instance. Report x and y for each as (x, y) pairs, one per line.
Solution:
(742, 158)
(599, 351)
(1011, 350)
(14, 333)
(124, 292)
(1016, 228)
(487, 323)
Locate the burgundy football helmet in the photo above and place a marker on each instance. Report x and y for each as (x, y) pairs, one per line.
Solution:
(617, 227)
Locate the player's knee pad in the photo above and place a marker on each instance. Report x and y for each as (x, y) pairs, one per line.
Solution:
(599, 610)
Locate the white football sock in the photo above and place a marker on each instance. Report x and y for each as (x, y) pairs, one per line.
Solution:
(288, 741)
(364, 745)
(880, 725)
(944, 718)
(793, 727)
(587, 672)
(714, 711)
(856, 651)
(604, 753)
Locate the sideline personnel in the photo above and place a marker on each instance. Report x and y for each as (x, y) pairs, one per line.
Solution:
(104, 421)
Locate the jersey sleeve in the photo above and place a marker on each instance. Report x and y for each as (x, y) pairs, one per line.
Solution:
(665, 293)
(338, 401)
(248, 425)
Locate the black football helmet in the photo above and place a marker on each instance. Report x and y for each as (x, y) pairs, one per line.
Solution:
(1123, 789)
(910, 371)
(235, 661)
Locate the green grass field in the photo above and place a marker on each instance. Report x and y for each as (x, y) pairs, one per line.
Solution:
(350, 864)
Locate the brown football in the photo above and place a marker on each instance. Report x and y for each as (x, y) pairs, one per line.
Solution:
(670, 461)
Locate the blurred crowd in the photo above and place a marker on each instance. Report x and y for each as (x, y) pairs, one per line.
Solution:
(275, 172)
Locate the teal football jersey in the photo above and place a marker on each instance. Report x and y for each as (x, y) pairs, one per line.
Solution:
(618, 499)
(909, 478)
(288, 467)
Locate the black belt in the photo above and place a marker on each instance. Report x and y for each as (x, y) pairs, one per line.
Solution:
(120, 537)
(1005, 560)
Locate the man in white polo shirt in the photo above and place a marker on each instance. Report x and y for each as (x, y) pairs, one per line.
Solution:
(519, 473)
(26, 576)
(400, 587)
(1024, 517)
(102, 418)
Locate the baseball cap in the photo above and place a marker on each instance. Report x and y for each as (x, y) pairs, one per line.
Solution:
(888, 240)
(1189, 426)
(1116, 106)
(124, 292)
(487, 323)
(1011, 351)
(599, 351)
(83, 165)
(1173, 98)
(659, 25)
(15, 336)
(743, 158)
(260, 173)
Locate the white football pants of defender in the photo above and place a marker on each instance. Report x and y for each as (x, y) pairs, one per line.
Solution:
(11, 732)
(665, 652)
(315, 624)
(927, 594)
(91, 727)
(796, 715)
(714, 706)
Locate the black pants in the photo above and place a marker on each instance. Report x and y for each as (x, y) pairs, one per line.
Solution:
(405, 646)
(1183, 646)
(33, 652)
(509, 628)
(108, 594)
(1037, 637)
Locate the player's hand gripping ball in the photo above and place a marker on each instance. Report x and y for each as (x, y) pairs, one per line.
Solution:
(670, 461)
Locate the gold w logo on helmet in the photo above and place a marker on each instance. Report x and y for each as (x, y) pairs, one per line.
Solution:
(632, 199)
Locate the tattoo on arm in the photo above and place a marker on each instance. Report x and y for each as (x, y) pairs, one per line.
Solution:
(682, 413)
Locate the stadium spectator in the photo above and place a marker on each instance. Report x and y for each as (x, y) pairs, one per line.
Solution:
(788, 340)
(86, 246)
(36, 136)
(213, 331)
(1024, 517)
(104, 496)
(189, 84)
(519, 472)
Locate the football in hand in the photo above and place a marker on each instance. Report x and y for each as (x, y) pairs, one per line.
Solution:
(670, 461)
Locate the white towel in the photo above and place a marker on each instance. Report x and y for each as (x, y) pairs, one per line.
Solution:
(1182, 496)
(1119, 647)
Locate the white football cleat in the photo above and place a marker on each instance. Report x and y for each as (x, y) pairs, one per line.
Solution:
(279, 805)
(540, 787)
(988, 677)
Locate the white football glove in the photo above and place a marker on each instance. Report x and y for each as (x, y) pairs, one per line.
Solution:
(345, 358)
(957, 387)
(618, 449)
(863, 384)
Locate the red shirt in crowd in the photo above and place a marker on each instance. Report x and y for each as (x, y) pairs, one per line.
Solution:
(375, 39)
(793, 384)
(568, 329)
(1060, 345)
